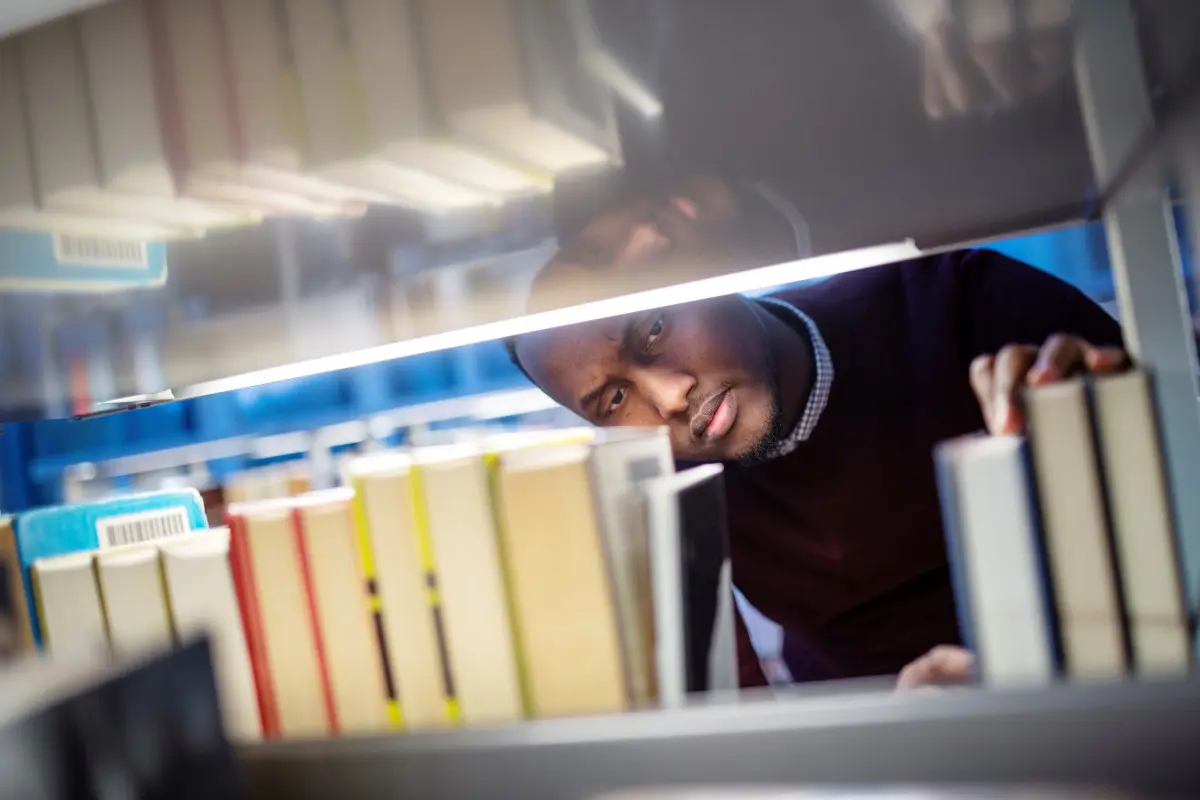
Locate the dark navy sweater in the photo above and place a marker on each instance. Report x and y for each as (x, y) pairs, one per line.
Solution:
(840, 542)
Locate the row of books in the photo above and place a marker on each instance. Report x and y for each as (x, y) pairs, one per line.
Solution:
(1062, 542)
(154, 120)
(522, 576)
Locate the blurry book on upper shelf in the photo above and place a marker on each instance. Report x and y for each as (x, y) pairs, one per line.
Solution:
(1062, 543)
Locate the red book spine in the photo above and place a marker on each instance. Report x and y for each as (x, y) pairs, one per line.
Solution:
(318, 640)
(241, 567)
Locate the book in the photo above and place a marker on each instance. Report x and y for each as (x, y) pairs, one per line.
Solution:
(20, 203)
(132, 596)
(392, 515)
(202, 601)
(102, 524)
(290, 672)
(622, 459)
(1143, 529)
(1083, 574)
(1001, 589)
(325, 36)
(398, 120)
(476, 77)
(70, 611)
(16, 624)
(452, 483)
(66, 126)
(695, 647)
(198, 113)
(338, 592)
(563, 603)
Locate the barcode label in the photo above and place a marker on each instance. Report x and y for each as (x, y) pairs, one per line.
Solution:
(97, 251)
(148, 526)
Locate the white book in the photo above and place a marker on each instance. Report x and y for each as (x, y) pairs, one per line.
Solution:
(19, 203)
(65, 138)
(266, 106)
(1076, 531)
(621, 460)
(695, 644)
(202, 599)
(398, 124)
(333, 109)
(69, 609)
(474, 57)
(990, 519)
(1143, 530)
(131, 588)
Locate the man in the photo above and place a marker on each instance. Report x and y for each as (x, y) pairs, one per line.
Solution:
(824, 401)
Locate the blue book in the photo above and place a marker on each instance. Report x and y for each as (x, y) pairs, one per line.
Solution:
(133, 519)
(61, 262)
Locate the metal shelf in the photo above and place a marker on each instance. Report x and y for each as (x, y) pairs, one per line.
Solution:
(1134, 736)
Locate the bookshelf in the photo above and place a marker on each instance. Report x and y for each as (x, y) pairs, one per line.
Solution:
(1133, 735)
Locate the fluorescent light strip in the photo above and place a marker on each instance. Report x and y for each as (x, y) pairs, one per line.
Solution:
(703, 289)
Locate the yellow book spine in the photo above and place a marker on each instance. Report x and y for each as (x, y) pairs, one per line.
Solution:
(395, 715)
(491, 463)
(429, 567)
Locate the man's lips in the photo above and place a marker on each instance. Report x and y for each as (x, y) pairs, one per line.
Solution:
(715, 417)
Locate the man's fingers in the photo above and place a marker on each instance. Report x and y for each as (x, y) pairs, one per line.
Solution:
(1012, 365)
(981, 383)
(1105, 359)
(941, 666)
(1060, 357)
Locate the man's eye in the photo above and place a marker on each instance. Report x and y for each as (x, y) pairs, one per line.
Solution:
(616, 400)
(655, 331)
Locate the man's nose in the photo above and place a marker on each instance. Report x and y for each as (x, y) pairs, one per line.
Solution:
(667, 390)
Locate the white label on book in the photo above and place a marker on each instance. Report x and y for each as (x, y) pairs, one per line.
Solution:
(98, 251)
(146, 526)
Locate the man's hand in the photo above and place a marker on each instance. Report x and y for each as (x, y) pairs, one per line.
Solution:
(945, 665)
(998, 379)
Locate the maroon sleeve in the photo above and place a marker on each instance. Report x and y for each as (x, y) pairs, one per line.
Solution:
(750, 672)
(1004, 301)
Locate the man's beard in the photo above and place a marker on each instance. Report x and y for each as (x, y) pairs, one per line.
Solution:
(765, 448)
(767, 445)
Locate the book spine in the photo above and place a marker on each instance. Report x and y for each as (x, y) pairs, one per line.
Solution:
(241, 568)
(395, 715)
(1054, 633)
(170, 115)
(228, 79)
(1176, 548)
(492, 465)
(432, 597)
(310, 595)
(1110, 533)
(952, 526)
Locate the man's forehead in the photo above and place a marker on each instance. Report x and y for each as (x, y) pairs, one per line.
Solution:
(563, 359)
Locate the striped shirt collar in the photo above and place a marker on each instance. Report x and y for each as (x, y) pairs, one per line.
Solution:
(818, 396)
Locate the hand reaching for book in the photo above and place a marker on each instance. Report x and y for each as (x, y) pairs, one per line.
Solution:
(998, 378)
(945, 665)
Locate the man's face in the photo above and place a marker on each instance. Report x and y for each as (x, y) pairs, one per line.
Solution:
(703, 369)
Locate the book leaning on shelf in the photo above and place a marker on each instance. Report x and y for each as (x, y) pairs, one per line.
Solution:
(1062, 543)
